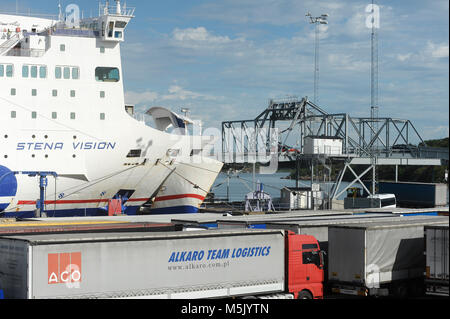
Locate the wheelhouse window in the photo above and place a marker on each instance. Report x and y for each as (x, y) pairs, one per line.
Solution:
(58, 72)
(6, 70)
(103, 74)
(34, 71)
(121, 24)
(75, 73)
(9, 70)
(25, 71)
(66, 73)
(110, 29)
(42, 72)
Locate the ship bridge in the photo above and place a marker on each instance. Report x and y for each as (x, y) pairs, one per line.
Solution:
(28, 36)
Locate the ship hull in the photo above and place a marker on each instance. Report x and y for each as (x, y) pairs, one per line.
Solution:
(186, 189)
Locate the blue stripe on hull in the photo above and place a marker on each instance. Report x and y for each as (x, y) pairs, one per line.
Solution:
(175, 210)
(8, 185)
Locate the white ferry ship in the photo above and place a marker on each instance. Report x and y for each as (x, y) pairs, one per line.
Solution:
(63, 119)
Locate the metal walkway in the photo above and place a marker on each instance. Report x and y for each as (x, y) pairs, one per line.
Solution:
(284, 131)
(394, 141)
(9, 44)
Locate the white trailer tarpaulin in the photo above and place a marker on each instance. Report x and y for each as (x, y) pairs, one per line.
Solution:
(379, 252)
(139, 265)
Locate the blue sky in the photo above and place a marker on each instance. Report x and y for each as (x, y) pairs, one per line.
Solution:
(224, 59)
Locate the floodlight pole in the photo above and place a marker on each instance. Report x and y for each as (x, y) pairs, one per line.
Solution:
(317, 21)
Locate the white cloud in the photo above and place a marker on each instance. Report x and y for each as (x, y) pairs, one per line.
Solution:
(425, 56)
(199, 34)
(178, 93)
(174, 93)
(404, 57)
(200, 38)
(431, 132)
(347, 62)
(437, 50)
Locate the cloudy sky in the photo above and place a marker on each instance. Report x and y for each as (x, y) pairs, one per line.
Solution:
(224, 59)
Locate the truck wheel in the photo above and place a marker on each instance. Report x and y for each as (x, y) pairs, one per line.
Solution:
(305, 295)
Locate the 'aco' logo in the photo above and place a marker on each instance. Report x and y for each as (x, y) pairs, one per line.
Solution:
(64, 268)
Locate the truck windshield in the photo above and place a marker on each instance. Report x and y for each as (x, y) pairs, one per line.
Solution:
(311, 257)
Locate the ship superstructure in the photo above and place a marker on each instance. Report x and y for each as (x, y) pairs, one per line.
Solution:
(63, 114)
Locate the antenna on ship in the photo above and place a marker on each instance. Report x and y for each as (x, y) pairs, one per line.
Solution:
(59, 11)
(118, 9)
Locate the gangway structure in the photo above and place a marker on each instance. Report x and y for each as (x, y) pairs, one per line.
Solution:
(292, 130)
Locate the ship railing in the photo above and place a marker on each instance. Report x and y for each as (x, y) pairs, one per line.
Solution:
(33, 53)
(434, 152)
(30, 14)
(124, 10)
(74, 32)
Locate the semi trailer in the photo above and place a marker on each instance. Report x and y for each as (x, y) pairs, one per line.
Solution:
(318, 228)
(170, 265)
(416, 195)
(29, 228)
(436, 255)
(378, 258)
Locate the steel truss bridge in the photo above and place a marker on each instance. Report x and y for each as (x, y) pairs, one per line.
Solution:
(280, 132)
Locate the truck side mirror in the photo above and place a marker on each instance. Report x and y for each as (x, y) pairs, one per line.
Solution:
(322, 254)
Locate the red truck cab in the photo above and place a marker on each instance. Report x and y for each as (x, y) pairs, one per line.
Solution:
(304, 273)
